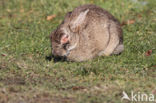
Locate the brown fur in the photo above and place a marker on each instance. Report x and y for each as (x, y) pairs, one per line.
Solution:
(93, 30)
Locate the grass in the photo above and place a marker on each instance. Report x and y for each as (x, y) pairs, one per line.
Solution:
(28, 76)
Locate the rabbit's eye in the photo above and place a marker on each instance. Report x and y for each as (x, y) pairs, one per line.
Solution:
(65, 46)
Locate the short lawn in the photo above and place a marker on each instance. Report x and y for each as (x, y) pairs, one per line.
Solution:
(29, 75)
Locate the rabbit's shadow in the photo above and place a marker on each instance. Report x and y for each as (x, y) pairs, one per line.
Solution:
(55, 59)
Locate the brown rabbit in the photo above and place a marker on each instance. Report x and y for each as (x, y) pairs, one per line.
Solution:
(86, 32)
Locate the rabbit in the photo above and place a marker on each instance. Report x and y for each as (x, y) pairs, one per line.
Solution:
(85, 33)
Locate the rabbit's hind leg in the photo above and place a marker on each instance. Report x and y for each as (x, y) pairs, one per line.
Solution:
(114, 41)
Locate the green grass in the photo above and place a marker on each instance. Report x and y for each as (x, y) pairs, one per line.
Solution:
(27, 76)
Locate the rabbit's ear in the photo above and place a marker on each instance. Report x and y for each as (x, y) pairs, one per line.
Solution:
(79, 20)
(64, 39)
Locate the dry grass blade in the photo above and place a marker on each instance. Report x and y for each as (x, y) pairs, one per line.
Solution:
(51, 17)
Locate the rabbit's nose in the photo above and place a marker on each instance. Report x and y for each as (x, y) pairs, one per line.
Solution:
(56, 53)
